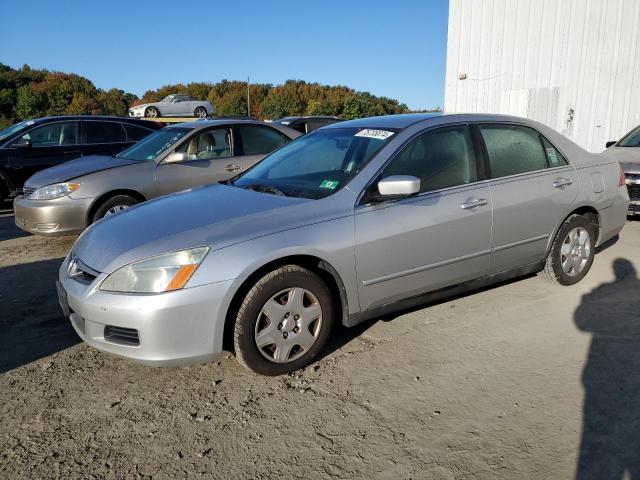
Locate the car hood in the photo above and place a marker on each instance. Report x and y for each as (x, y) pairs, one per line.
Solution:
(75, 168)
(629, 157)
(143, 105)
(215, 215)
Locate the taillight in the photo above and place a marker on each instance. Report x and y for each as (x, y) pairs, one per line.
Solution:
(621, 182)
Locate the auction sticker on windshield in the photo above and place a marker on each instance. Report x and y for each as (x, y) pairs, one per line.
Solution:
(330, 184)
(372, 133)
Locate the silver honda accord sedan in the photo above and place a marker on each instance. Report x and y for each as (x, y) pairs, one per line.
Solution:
(350, 222)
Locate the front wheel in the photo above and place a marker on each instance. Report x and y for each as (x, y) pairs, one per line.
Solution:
(572, 252)
(200, 112)
(152, 112)
(283, 322)
(113, 205)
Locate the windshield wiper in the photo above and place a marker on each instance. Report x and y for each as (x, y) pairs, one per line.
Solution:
(266, 189)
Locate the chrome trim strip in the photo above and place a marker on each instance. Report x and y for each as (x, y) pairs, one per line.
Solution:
(411, 271)
(521, 242)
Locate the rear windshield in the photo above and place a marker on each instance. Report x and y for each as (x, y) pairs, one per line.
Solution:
(317, 164)
(150, 147)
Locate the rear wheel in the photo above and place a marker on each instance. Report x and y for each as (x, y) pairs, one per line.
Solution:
(572, 252)
(152, 112)
(283, 321)
(113, 205)
(200, 112)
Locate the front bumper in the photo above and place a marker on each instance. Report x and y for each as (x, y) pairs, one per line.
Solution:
(62, 216)
(174, 328)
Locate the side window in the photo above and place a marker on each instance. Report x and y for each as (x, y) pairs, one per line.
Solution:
(52, 134)
(555, 158)
(135, 132)
(513, 149)
(440, 158)
(213, 143)
(104, 132)
(258, 140)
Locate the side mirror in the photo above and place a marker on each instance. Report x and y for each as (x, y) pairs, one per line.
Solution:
(176, 157)
(610, 143)
(23, 144)
(398, 186)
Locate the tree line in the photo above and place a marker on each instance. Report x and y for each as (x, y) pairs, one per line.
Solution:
(30, 93)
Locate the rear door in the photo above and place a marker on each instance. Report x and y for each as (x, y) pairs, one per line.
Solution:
(438, 238)
(255, 142)
(51, 144)
(532, 187)
(103, 137)
(210, 152)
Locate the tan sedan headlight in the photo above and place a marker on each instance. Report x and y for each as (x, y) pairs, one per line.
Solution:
(163, 273)
(54, 191)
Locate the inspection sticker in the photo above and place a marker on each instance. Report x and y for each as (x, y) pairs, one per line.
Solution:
(330, 184)
(372, 133)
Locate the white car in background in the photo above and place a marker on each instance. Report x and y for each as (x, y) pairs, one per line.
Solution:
(174, 105)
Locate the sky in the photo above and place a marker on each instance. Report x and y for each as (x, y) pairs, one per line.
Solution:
(391, 48)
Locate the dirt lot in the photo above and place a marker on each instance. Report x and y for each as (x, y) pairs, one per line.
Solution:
(491, 385)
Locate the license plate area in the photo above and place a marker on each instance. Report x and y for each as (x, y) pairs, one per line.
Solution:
(63, 300)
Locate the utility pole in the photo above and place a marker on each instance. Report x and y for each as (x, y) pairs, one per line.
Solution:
(248, 100)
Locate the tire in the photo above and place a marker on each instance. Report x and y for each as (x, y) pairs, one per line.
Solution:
(300, 328)
(152, 112)
(200, 112)
(571, 257)
(113, 205)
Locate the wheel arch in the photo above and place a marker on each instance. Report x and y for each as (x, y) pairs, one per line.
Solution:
(107, 195)
(6, 185)
(588, 211)
(319, 266)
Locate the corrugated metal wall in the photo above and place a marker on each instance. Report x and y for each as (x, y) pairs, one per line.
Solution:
(572, 64)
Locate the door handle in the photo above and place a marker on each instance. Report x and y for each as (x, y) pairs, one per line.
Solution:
(562, 182)
(473, 203)
(232, 167)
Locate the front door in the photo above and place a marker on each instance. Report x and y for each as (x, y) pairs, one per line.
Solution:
(440, 237)
(209, 154)
(51, 144)
(532, 187)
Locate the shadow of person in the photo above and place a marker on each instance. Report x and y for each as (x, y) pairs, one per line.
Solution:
(610, 444)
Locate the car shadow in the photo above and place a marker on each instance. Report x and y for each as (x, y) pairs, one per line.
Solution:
(8, 228)
(342, 335)
(610, 442)
(32, 323)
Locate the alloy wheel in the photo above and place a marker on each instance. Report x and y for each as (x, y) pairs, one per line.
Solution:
(575, 251)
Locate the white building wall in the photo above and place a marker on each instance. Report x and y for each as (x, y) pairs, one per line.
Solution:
(571, 64)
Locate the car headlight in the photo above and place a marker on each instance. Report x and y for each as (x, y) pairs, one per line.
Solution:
(162, 273)
(56, 190)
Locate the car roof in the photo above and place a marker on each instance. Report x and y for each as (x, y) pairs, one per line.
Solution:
(89, 117)
(405, 120)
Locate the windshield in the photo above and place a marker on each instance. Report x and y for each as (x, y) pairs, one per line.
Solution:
(14, 128)
(316, 165)
(631, 140)
(150, 147)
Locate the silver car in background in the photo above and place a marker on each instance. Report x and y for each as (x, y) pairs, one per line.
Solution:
(627, 152)
(347, 223)
(64, 199)
(174, 105)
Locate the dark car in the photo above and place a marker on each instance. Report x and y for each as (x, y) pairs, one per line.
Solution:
(33, 145)
(307, 124)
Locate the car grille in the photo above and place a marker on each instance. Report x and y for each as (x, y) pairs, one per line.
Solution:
(634, 192)
(122, 336)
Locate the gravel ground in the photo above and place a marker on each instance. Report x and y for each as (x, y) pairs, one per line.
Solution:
(516, 381)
